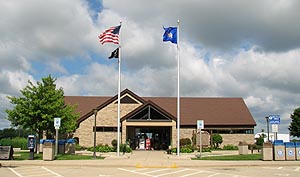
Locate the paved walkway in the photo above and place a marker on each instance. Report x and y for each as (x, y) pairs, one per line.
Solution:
(150, 159)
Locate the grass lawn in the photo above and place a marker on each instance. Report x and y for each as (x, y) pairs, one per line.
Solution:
(25, 156)
(232, 157)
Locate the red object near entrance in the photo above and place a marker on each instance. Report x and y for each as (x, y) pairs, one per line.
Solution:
(148, 144)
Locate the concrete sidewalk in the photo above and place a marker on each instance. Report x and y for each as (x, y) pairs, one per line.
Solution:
(149, 159)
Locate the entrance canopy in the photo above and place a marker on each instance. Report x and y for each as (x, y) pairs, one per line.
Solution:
(149, 112)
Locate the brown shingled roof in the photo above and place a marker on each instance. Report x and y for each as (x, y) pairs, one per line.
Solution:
(214, 111)
(85, 104)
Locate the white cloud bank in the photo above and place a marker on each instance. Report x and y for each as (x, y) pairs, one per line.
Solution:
(228, 49)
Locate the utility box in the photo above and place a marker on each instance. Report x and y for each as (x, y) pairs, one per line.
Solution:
(267, 151)
(243, 148)
(48, 150)
(279, 150)
(290, 151)
(297, 152)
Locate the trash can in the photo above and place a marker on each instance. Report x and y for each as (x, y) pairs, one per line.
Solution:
(267, 151)
(48, 150)
(290, 151)
(61, 146)
(297, 145)
(243, 148)
(6, 153)
(279, 150)
(70, 146)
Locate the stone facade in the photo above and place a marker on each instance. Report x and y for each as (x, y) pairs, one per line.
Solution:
(234, 139)
(189, 132)
(107, 117)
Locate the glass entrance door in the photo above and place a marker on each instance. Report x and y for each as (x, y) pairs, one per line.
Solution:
(149, 138)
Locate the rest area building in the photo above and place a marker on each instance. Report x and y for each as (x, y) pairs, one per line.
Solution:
(153, 120)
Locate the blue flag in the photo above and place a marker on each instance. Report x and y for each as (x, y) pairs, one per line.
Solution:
(170, 35)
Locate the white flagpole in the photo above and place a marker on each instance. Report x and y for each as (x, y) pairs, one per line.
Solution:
(119, 92)
(178, 91)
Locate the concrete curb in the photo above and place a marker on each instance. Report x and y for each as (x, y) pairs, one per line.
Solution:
(148, 159)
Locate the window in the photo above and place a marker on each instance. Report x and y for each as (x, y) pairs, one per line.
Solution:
(107, 129)
(233, 131)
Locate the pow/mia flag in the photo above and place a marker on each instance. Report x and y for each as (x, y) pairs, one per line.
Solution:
(114, 54)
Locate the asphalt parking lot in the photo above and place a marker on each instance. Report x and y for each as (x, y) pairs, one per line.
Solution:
(55, 171)
(149, 163)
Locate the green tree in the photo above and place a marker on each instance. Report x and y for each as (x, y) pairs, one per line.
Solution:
(39, 105)
(294, 127)
(217, 140)
(13, 133)
(260, 141)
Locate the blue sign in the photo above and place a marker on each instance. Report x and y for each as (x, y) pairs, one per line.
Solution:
(31, 142)
(200, 124)
(274, 119)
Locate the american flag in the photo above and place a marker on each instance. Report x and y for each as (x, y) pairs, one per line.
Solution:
(110, 35)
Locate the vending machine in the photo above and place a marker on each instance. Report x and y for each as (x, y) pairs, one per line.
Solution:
(142, 144)
(148, 144)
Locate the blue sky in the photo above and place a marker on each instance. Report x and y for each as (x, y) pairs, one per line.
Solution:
(229, 48)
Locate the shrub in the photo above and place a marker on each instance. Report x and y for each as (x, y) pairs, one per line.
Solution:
(104, 148)
(183, 150)
(15, 142)
(186, 150)
(124, 148)
(206, 150)
(101, 148)
(79, 148)
(114, 143)
(217, 140)
(174, 150)
(230, 147)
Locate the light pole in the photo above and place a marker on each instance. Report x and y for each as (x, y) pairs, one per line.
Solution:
(267, 119)
(95, 127)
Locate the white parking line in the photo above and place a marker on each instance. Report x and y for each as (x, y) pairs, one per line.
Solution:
(154, 171)
(16, 173)
(34, 171)
(192, 173)
(51, 171)
(283, 169)
(186, 172)
(178, 171)
(134, 172)
(214, 174)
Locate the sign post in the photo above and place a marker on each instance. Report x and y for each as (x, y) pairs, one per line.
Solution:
(274, 121)
(56, 125)
(200, 126)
